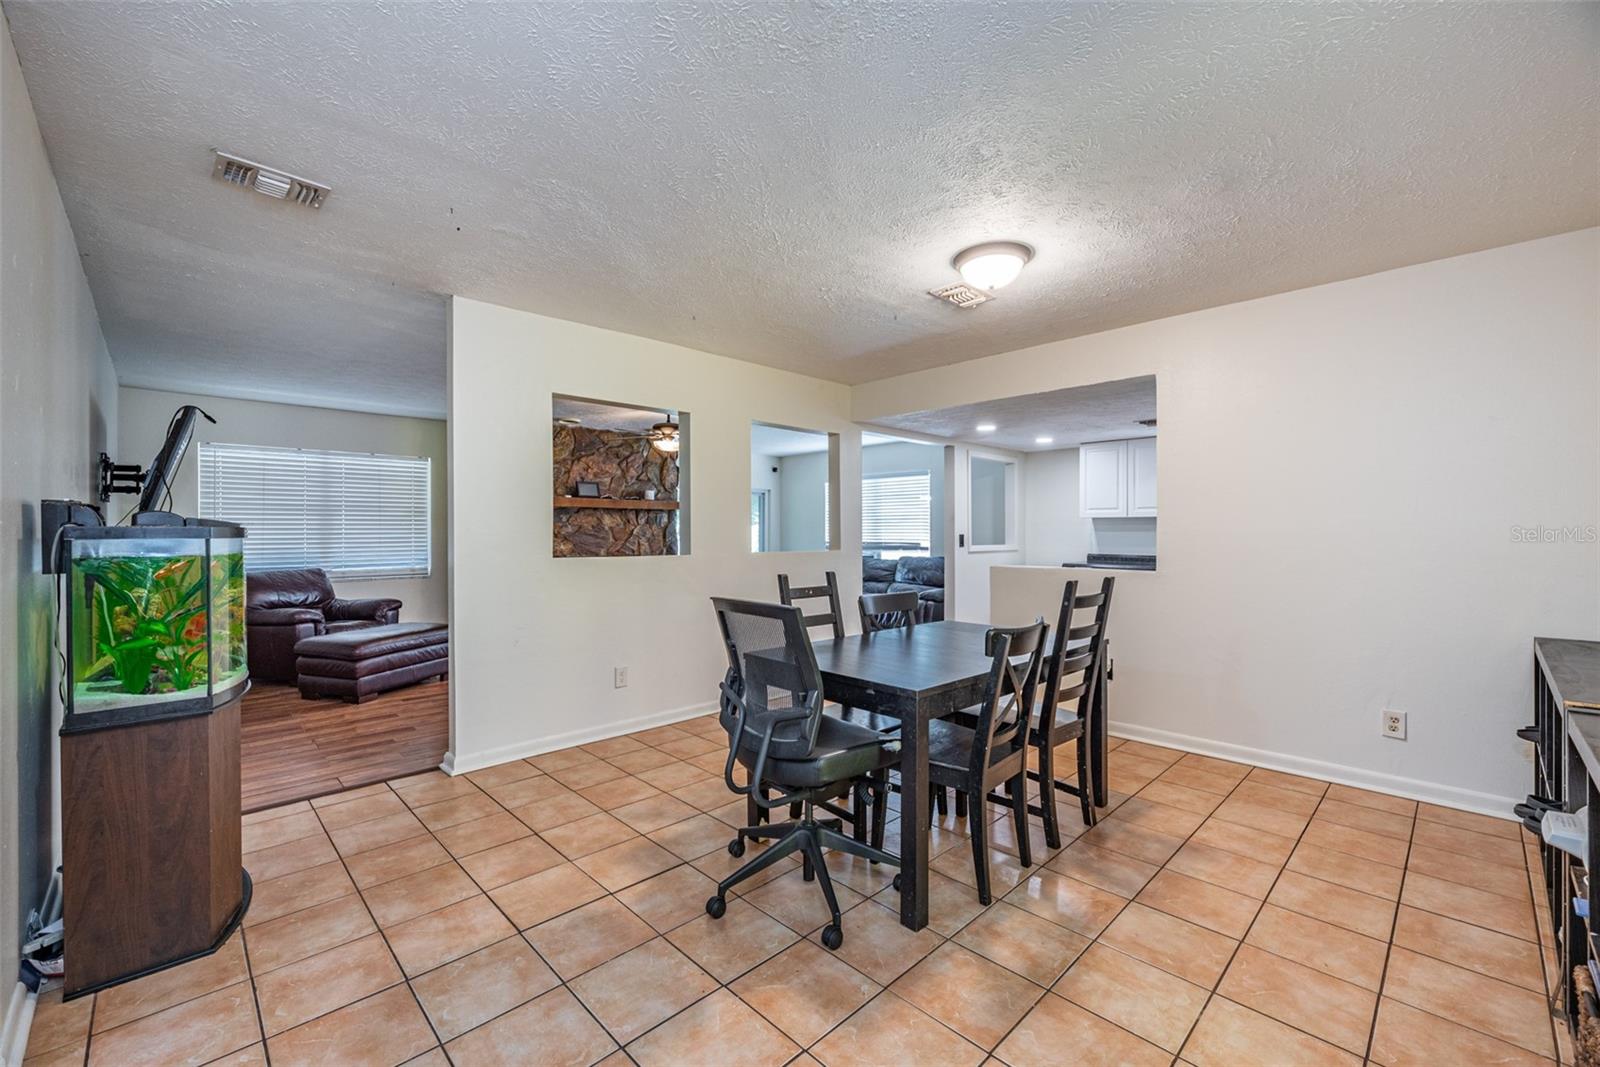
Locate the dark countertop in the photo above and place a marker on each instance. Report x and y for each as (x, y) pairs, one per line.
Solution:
(1112, 561)
(1574, 670)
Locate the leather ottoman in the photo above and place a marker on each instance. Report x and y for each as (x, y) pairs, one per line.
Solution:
(357, 664)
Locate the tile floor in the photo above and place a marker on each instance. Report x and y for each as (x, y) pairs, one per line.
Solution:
(550, 911)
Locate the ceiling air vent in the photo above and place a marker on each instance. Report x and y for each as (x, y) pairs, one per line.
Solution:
(961, 295)
(274, 183)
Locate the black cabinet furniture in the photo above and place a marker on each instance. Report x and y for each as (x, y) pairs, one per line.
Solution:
(284, 607)
(1566, 712)
(1072, 680)
(771, 708)
(994, 752)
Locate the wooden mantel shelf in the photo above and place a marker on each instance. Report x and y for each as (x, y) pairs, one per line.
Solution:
(618, 505)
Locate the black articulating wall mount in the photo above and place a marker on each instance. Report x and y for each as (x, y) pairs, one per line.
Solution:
(119, 478)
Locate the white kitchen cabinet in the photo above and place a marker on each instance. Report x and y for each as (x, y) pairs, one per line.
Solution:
(1142, 476)
(1103, 479)
(1117, 479)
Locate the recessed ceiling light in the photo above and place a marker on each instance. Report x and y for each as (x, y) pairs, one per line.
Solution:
(1044, 440)
(985, 427)
(992, 266)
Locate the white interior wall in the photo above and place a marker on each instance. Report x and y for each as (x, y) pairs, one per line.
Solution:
(1342, 468)
(535, 639)
(59, 412)
(803, 489)
(1053, 531)
(143, 425)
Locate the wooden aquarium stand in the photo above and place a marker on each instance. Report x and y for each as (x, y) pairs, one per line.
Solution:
(151, 869)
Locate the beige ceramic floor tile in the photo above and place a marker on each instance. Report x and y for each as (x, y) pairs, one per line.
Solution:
(888, 1022)
(805, 991)
(1407, 1037)
(1177, 946)
(1211, 906)
(1229, 1035)
(551, 1029)
(1019, 941)
(326, 982)
(978, 999)
(193, 1032)
(1326, 1007)
(586, 937)
(430, 940)
(474, 989)
(719, 1030)
(156, 992)
(742, 939)
(642, 988)
(1333, 950)
(1057, 1031)
(530, 901)
(1144, 1000)
(385, 1028)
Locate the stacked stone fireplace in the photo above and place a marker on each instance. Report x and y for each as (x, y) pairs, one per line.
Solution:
(624, 466)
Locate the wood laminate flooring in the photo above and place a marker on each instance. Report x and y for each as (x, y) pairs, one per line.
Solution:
(294, 749)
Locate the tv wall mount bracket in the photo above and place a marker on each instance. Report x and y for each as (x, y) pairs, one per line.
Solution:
(119, 477)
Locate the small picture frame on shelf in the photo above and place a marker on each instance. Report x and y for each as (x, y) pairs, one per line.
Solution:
(588, 489)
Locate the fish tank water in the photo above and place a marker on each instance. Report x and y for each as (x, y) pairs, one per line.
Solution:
(155, 621)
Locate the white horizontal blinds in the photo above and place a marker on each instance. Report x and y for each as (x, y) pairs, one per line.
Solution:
(354, 514)
(896, 510)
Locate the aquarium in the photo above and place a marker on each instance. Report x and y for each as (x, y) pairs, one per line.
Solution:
(155, 620)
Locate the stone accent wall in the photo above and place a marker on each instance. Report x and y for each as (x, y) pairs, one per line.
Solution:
(625, 467)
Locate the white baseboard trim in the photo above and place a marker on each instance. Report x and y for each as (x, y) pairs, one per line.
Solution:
(477, 761)
(1411, 788)
(16, 1024)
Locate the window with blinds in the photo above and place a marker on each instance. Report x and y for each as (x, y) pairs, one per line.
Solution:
(354, 514)
(896, 512)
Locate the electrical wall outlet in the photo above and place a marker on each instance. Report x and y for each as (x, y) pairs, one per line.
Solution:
(619, 678)
(1394, 725)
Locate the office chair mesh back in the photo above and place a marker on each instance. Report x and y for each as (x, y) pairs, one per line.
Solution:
(771, 670)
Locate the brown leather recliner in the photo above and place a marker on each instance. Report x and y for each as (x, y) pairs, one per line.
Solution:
(282, 607)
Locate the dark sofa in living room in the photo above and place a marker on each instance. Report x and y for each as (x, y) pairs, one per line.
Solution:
(284, 607)
(922, 575)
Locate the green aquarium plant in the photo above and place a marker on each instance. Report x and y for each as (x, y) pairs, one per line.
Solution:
(148, 625)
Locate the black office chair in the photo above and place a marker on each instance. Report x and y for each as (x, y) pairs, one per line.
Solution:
(887, 611)
(1073, 674)
(974, 760)
(829, 591)
(771, 708)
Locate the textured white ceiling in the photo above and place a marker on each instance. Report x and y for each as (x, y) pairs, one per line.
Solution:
(600, 415)
(777, 182)
(1106, 411)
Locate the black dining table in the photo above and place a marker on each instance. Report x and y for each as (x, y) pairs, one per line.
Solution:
(927, 672)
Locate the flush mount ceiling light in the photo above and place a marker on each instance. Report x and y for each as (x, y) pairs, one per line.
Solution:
(992, 266)
(985, 427)
(1044, 440)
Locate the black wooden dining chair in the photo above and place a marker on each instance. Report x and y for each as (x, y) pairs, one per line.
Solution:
(887, 611)
(1073, 673)
(771, 709)
(829, 591)
(974, 760)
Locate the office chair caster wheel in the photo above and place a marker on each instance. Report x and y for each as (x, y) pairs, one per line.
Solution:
(736, 847)
(896, 883)
(832, 938)
(716, 906)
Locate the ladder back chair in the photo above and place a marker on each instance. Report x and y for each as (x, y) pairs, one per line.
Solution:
(829, 591)
(974, 760)
(887, 611)
(1074, 676)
